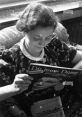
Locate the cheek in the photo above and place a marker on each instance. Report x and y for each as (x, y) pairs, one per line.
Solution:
(48, 41)
(36, 43)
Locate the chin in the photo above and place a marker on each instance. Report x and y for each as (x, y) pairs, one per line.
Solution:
(39, 49)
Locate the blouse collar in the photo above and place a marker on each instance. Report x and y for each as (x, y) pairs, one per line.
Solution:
(28, 55)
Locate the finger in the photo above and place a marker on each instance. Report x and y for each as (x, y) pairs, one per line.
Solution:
(49, 79)
(29, 77)
(59, 87)
(23, 88)
(67, 83)
(23, 82)
(24, 76)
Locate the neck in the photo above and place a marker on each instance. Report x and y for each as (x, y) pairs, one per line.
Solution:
(32, 51)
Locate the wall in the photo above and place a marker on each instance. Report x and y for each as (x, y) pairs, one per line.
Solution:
(74, 27)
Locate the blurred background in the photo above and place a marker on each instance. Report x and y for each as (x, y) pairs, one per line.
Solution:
(69, 12)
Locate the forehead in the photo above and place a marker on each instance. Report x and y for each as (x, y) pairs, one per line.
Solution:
(42, 30)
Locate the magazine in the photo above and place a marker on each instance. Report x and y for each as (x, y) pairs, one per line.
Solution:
(47, 75)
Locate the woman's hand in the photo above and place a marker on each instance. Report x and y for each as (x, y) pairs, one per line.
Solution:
(21, 83)
(48, 81)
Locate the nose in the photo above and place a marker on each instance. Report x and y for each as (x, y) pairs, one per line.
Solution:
(42, 42)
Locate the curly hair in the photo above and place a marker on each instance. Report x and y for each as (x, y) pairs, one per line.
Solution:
(36, 14)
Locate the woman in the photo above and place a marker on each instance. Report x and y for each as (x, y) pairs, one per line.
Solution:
(39, 45)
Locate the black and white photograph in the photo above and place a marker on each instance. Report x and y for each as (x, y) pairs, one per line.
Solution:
(40, 58)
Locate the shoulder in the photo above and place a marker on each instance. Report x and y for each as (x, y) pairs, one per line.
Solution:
(57, 44)
(60, 45)
(61, 51)
(11, 53)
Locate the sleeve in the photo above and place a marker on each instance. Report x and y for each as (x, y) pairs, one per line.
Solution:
(63, 52)
(7, 68)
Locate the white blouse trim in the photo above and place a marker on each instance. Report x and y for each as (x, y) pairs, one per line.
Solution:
(28, 55)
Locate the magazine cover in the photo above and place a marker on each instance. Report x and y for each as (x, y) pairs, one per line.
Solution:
(48, 76)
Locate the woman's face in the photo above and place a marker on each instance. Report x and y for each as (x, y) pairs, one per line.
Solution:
(40, 37)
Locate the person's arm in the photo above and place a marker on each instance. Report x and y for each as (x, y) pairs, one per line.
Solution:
(78, 65)
(20, 84)
(78, 60)
(78, 57)
(6, 92)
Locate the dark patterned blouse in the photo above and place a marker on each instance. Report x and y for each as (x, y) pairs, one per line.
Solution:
(56, 53)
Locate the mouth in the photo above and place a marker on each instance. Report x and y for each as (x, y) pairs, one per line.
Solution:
(40, 47)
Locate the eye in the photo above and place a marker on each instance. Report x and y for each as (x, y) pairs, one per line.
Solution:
(50, 37)
(36, 38)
